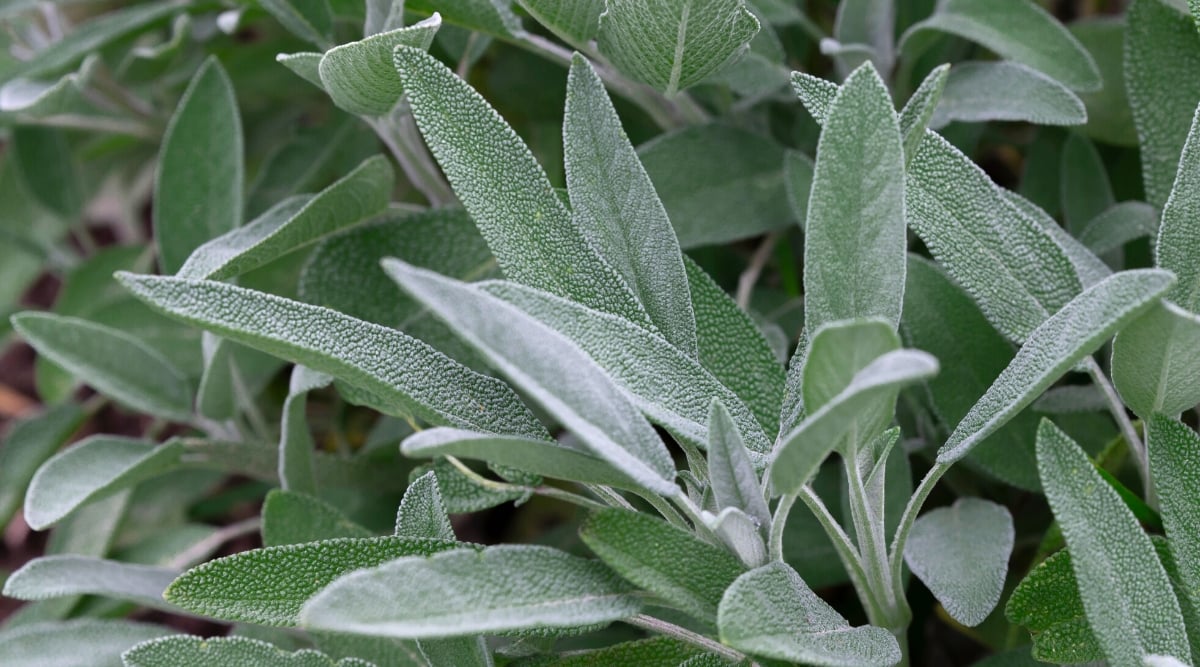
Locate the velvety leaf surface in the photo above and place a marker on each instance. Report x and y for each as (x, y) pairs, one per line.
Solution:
(1174, 451)
(28, 443)
(422, 512)
(1089, 268)
(1156, 361)
(180, 650)
(289, 517)
(1120, 224)
(1047, 603)
(1009, 91)
(730, 470)
(1178, 247)
(85, 642)
(575, 21)
(919, 109)
(360, 76)
(66, 575)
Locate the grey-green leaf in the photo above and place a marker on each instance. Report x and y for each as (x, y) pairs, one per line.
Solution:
(306, 65)
(771, 612)
(289, 517)
(1009, 91)
(27, 444)
(310, 20)
(463, 592)
(180, 650)
(1074, 332)
(422, 512)
(1120, 224)
(730, 471)
(1178, 247)
(295, 441)
(919, 109)
(84, 642)
(198, 187)
(1174, 450)
(1156, 361)
(113, 362)
(67, 575)
(491, 17)
(1085, 189)
(360, 76)
(961, 553)
(1126, 593)
(574, 21)
(1047, 603)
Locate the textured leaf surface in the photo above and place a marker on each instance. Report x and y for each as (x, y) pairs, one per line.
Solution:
(179, 650)
(310, 20)
(198, 188)
(730, 471)
(663, 559)
(673, 44)
(65, 575)
(919, 109)
(1120, 224)
(27, 445)
(78, 643)
(406, 373)
(422, 512)
(1006, 90)
(1089, 268)
(1178, 247)
(575, 21)
(461, 592)
(653, 652)
(1071, 334)
(289, 517)
(1125, 590)
(268, 586)
(1047, 603)
(492, 17)
(838, 351)
(772, 613)
(360, 76)
(961, 553)
(113, 362)
(1156, 361)
(550, 369)
(295, 440)
(1175, 464)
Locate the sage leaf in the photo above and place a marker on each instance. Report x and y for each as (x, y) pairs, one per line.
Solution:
(113, 362)
(1086, 191)
(27, 445)
(310, 20)
(797, 177)
(730, 471)
(961, 553)
(1126, 594)
(289, 517)
(614, 202)
(268, 586)
(870, 23)
(294, 223)
(1174, 450)
(456, 652)
(1070, 335)
(360, 76)
(491, 17)
(1020, 31)
(673, 44)
(741, 534)
(507, 193)
(422, 512)
(668, 561)
(198, 186)
(462, 592)
(839, 350)
(295, 442)
(772, 613)
(385, 362)
(576, 22)
(1161, 48)
(1006, 90)
(1118, 225)
(83, 642)
(1156, 361)
(1110, 120)
(1047, 603)
(306, 65)
(659, 651)
(920, 108)
(232, 374)
(1089, 268)
(49, 168)
(180, 650)
(550, 369)
(1178, 247)
(66, 575)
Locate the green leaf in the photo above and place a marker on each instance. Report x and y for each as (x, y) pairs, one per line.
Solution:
(1128, 599)
(1110, 119)
(456, 652)
(113, 362)
(49, 168)
(1019, 30)
(657, 651)
(1089, 268)
(1047, 603)
(665, 560)
(306, 65)
(614, 203)
(1156, 361)
(961, 553)
(360, 76)
(1162, 49)
(1086, 191)
(770, 612)
(310, 20)
(852, 271)
(507, 193)
(1069, 336)
(289, 517)
(1174, 451)
(673, 44)
(462, 592)
(576, 22)
(719, 183)
(295, 441)
(1006, 90)
(1178, 247)
(919, 110)
(65, 575)
(492, 17)
(870, 23)
(294, 223)
(27, 444)
(734, 482)
(1120, 224)
(800, 452)
(84, 642)
(198, 186)
(422, 512)
(797, 178)
(670, 386)
(838, 351)
(397, 369)
(232, 375)
(268, 586)
(551, 370)
(180, 650)
(92, 469)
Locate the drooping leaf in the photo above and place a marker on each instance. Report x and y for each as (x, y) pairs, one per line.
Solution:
(1129, 601)
(198, 187)
(27, 445)
(289, 517)
(730, 471)
(574, 21)
(770, 612)
(1047, 603)
(178, 650)
(84, 642)
(63, 575)
(462, 592)
(360, 76)
(422, 512)
(268, 586)
(113, 362)
(673, 44)
(310, 20)
(665, 560)
(1006, 90)
(1178, 247)
(961, 553)
(1156, 361)
(1174, 451)
(1074, 332)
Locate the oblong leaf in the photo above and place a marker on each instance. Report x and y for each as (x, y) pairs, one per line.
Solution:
(289, 517)
(1118, 225)
(1156, 361)
(217, 651)
(27, 445)
(919, 109)
(84, 642)
(422, 512)
(360, 76)
(731, 473)
(67, 575)
(1178, 247)
(1009, 91)
(1174, 451)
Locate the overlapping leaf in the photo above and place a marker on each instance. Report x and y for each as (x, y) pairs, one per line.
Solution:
(360, 76)
(1006, 90)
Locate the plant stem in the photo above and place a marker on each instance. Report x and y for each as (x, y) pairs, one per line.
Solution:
(886, 609)
(609, 495)
(778, 523)
(906, 522)
(682, 634)
(399, 132)
(207, 545)
(1117, 408)
(547, 491)
(846, 551)
(749, 277)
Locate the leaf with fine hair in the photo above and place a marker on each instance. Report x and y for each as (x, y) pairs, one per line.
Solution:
(730, 471)
(179, 650)
(1047, 603)
(1118, 225)
(919, 109)
(360, 77)
(295, 441)
(576, 22)
(422, 512)
(289, 517)
(1174, 451)
(27, 444)
(67, 575)
(1006, 90)
(82, 642)
(1156, 361)
(1178, 247)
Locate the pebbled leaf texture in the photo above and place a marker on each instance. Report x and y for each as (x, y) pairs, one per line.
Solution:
(1174, 451)
(289, 517)
(1156, 361)
(574, 21)
(295, 440)
(1178, 247)
(507, 193)
(1089, 268)
(200, 179)
(1118, 225)
(730, 471)
(360, 76)
(771, 612)
(69, 575)
(1128, 599)
(673, 44)
(491, 17)
(919, 110)
(1071, 334)
(961, 553)
(268, 586)
(657, 651)
(180, 650)
(1047, 603)
(463, 592)
(1009, 91)
(84, 642)
(422, 512)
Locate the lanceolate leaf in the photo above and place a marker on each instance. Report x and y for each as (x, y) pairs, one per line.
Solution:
(1118, 225)
(296, 518)
(58, 576)
(552, 370)
(615, 204)
(84, 642)
(422, 512)
(1178, 246)
(1174, 450)
(772, 613)
(295, 440)
(917, 112)
(507, 193)
(180, 650)
(575, 21)
(463, 592)
(113, 362)
(838, 351)
(492, 17)
(27, 444)
(1128, 598)
(360, 76)
(852, 270)
(407, 374)
(1089, 268)
(198, 189)
(1086, 190)
(1006, 90)
(672, 44)
(1047, 603)
(734, 482)
(1156, 361)
(1081, 327)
